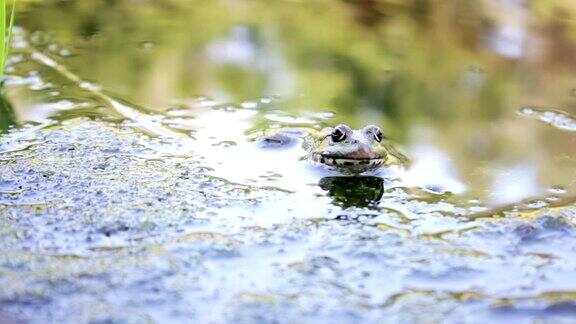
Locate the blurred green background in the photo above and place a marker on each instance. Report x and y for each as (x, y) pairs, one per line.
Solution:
(405, 58)
(452, 74)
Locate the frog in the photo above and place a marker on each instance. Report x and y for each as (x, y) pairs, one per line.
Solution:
(342, 148)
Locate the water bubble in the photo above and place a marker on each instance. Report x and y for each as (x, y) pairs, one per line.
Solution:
(39, 38)
(206, 102)
(265, 100)
(53, 47)
(535, 204)
(552, 198)
(147, 45)
(527, 111)
(12, 59)
(65, 52)
(558, 190)
(20, 44)
(249, 105)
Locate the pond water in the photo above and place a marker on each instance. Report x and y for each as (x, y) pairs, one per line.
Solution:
(133, 188)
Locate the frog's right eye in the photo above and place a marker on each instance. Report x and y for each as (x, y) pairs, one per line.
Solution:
(338, 134)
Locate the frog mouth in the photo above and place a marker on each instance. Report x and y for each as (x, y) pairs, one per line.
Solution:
(348, 161)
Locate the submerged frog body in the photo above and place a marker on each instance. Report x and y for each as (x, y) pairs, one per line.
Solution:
(344, 149)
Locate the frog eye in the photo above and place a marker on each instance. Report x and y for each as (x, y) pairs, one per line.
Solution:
(338, 134)
(375, 132)
(378, 135)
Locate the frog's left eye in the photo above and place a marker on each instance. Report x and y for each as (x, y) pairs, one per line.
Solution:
(375, 132)
(378, 135)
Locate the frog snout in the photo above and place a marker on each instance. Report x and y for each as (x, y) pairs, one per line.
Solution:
(363, 152)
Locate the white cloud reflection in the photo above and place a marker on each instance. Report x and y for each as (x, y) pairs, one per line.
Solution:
(433, 169)
(514, 183)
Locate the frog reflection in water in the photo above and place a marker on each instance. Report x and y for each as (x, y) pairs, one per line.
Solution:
(344, 149)
(360, 191)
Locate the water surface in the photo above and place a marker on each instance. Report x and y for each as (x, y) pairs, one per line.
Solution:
(132, 187)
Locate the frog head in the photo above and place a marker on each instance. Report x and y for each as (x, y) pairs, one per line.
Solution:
(349, 150)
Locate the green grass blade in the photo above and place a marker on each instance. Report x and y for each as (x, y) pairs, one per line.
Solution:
(2, 36)
(10, 27)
